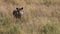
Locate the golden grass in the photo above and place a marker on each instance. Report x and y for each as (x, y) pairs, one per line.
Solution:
(40, 17)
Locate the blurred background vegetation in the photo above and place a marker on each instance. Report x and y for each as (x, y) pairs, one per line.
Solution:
(40, 17)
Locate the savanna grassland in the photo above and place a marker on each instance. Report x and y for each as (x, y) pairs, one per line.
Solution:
(39, 17)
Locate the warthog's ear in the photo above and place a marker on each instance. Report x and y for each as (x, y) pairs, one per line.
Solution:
(17, 8)
(21, 8)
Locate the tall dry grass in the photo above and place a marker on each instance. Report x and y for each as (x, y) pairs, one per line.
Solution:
(40, 17)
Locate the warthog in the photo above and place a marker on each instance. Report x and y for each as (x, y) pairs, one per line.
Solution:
(17, 12)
